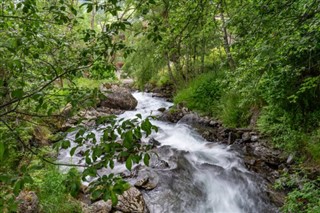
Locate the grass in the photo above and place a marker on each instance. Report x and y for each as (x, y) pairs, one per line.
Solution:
(91, 83)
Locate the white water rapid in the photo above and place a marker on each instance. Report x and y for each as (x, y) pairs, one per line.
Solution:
(201, 176)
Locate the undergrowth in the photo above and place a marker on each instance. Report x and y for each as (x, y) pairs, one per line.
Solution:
(54, 192)
(304, 193)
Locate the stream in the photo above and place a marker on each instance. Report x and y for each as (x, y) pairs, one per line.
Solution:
(200, 176)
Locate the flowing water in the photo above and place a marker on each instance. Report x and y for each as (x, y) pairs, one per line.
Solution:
(200, 176)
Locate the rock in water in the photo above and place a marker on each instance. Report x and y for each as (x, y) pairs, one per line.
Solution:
(131, 201)
(118, 98)
(147, 180)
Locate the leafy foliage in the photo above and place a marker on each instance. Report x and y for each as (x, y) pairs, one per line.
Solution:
(44, 47)
(120, 142)
(304, 193)
(203, 93)
(54, 194)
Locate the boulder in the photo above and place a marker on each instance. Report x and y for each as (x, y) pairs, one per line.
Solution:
(100, 206)
(147, 180)
(131, 201)
(28, 202)
(162, 109)
(116, 97)
(190, 118)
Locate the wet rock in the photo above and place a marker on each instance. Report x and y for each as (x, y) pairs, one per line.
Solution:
(28, 202)
(147, 179)
(157, 163)
(133, 173)
(190, 119)
(238, 141)
(232, 137)
(117, 98)
(100, 206)
(162, 109)
(246, 137)
(154, 142)
(131, 201)
(141, 182)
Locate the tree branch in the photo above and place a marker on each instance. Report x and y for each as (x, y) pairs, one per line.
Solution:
(36, 154)
(41, 88)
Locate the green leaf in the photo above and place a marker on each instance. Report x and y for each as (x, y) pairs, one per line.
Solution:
(72, 151)
(2, 149)
(146, 159)
(114, 198)
(18, 93)
(17, 187)
(128, 139)
(111, 164)
(89, 8)
(96, 194)
(88, 160)
(65, 144)
(106, 196)
(129, 163)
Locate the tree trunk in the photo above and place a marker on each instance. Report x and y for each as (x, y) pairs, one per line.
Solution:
(172, 78)
(93, 14)
(225, 39)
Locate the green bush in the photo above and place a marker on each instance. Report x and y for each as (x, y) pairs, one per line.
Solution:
(102, 70)
(277, 123)
(289, 132)
(52, 192)
(203, 93)
(232, 111)
(304, 199)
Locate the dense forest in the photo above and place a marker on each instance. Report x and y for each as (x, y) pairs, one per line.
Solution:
(249, 64)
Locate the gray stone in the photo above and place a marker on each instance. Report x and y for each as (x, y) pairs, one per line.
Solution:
(190, 119)
(246, 137)
(290, 159)
(213, 123)
(28, 202)
(154, 142)
(118, 98)
(100, 206)
(162, 109)
(147, 179)
(131, 201)
(254, 138)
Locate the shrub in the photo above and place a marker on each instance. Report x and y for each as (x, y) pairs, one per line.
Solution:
(203, 93)
(303, 199)
(52, 192)
(233, 112)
